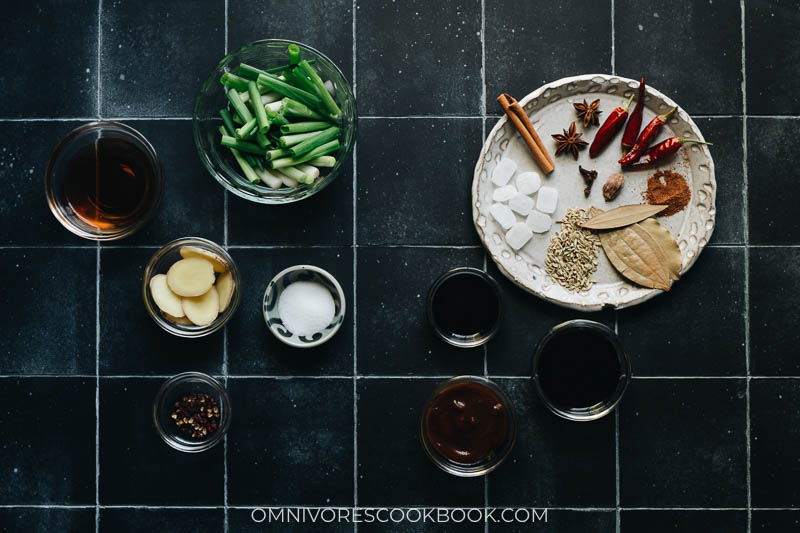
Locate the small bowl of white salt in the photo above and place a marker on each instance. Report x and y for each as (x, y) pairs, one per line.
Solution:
(303, 306)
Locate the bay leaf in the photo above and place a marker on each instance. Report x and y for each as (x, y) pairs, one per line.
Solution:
(622, 216)
(636, 256)
(667, 243)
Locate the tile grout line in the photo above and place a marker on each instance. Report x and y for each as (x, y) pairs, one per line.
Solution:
(616, 446)
(483, 138)
(746, 220)
(99, 89)
(355, 277)
(364, 377)
(613, 73)
(225, 515)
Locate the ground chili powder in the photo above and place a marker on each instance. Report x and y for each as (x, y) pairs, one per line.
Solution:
(668, 188)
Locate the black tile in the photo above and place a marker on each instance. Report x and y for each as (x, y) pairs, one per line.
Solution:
(414, 520)
(646, 45)
(54, 43)
(325, 25)
(697, 328)
(154, 60)
(774, 322)
(770, 144)
(776, 521)
(555, 462)
(526, 319)
(25, 217)
(293, 444)
(49, 441)
(298, 520)
(136, 466)
(726, 134)
(774, 440)
(528, 47)
(253, 349)
(393, 469)
(172, 520)
(49, 319)
(130, 341)
(324, 219)
(419, 58)
(394, 336)
(671, 521)
(26, 519)
(414, 181)
(193, 202)
(682, 443)
(559, 521)
(771, 60)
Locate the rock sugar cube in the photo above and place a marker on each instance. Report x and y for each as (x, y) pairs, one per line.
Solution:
(528, 182)
(521, 203)
(518, 235)
(503, 171)
(504, 194)
(539, 222)
(547, 200)
(503, 215)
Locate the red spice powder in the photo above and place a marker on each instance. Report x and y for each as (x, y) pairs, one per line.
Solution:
(668, 188)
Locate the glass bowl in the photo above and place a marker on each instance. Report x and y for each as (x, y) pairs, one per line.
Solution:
(264, 54)
(55, 180)
(487, 465)
(176, 388)
(160, 263)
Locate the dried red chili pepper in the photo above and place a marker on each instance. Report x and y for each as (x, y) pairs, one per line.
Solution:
(609, 128)
(646, 137)
(663, 150)
(635, 122)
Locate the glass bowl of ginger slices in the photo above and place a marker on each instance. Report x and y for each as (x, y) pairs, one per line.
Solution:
(191, 287)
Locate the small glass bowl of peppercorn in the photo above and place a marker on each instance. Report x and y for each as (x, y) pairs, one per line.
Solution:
(192, 412)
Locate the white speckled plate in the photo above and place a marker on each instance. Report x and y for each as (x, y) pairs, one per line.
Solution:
(551, 111)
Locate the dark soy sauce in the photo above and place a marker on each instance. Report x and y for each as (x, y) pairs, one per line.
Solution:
(578, 368)
(465, 305)
(109, 182)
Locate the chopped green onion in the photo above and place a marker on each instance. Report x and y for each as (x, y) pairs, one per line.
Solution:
(234, 82)
(238, 106)
(321, 92)
(295, 174)
(244, 146)
(327, 161)
(270, 178)
(274, 84)
(294, 54)
(276, 117)
(262, 140)
(293, 108)
(303, 127)
(287, 141)
(246, 131)
(249, 173)
(312, 142)
(227, 121)
(255, 99)
(311, 171)
(277, 153)
(251, 73)
(268, 98)
(288, 180)
(298, 79)
(325, 149)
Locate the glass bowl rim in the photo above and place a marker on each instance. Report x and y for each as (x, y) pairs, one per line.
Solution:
(247, 189)
(461, 470)
(226, 413)
(221, 320)
(605, 407)
(158, 169)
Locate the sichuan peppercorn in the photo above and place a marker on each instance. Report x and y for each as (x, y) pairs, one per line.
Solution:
(196, 415)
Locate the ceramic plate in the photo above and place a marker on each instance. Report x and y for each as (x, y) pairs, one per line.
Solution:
(550, 109)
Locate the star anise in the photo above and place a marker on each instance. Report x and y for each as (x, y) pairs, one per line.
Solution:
(570, 141)
(588, 112)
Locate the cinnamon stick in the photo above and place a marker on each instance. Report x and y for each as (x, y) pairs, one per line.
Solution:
(523, 124)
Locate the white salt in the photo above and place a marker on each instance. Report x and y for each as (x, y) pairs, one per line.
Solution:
(539, 222)
(503, 215)
(521, 203)
(528, 182)
(306, 307)
(518, 235)
(503, 171)
(504, 194)
(547, 200)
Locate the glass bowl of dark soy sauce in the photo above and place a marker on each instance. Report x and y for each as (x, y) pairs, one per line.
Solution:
(464, 307)
(580, 370)
(104, 181)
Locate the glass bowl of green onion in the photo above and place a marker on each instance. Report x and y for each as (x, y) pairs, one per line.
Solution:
(275, 122)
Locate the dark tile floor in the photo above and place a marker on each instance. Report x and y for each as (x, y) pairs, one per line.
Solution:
(706, 438)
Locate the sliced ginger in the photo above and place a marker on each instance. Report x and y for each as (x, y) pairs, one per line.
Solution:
(225, 290)
(181, 321)
(202, 310)
(165, 299)
(191, 277)
(220, 265)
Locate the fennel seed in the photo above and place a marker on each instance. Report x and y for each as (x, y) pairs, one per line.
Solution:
(572, 253)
